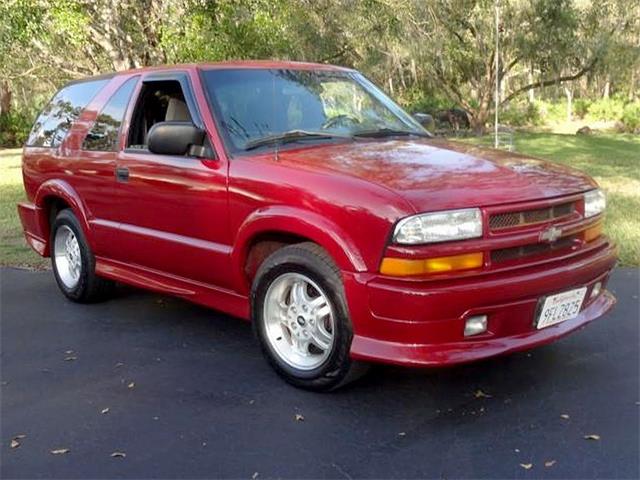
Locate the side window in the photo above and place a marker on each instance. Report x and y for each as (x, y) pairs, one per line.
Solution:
(159, 101)
(103, 136)
(57, 117)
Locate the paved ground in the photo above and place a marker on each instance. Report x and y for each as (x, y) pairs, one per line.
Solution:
(203, 403)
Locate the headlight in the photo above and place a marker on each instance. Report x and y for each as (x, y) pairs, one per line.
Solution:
(594, 203)
(439, 227)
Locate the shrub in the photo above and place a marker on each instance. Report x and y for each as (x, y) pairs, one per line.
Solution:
(606, 109)
(581, 107)
(14, 128)
(521, 114)
(417, 100)
(630, 118)
(552, 111)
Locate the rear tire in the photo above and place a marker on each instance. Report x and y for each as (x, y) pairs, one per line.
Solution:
(73, 262)
(301, 318)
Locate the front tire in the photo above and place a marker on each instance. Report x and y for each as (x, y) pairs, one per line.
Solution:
(301, 319)
(73, 262)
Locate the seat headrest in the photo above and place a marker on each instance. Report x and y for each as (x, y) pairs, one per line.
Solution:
(177, 111)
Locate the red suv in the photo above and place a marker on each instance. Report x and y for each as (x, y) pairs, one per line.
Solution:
(301, 197)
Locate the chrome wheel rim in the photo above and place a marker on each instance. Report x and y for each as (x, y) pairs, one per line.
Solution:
(66, 250)
(299, 321)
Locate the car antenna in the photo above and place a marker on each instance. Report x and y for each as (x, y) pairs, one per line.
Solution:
(277, 158)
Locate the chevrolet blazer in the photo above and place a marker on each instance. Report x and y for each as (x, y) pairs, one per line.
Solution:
(300, 197)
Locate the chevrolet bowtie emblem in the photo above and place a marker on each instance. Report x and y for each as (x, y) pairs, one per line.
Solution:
(550, 235)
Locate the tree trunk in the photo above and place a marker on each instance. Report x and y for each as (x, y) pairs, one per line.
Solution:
(5, 98)
(532, 95)
(569, 94)
(607, 89)
(477, 121)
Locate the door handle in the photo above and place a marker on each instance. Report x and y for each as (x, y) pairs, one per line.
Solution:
(122, 174)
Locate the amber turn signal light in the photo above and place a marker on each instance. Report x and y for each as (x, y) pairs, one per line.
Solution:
(592, 233)
(404, 267)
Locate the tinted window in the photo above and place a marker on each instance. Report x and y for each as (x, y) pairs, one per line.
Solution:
(56, 119)
(104, 133)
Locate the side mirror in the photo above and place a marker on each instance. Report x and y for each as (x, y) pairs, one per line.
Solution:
(425, 120)
(174, 138)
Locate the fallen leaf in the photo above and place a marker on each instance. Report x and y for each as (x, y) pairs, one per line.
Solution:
(526, 466)
(251, 402)
(69, 352)
(104, 410)
(592, 436)
(481, 394)
(402, 434)
(255, 475)
(131, 385)
(565, 416)
(156, 418)
(119, 364)
(118, 454)
(549, 463)
(70, 358)
(517, 450)
(15, 443)
(299, 417)
(59, 451)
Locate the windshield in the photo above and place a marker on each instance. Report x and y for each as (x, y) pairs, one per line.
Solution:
(253, 105)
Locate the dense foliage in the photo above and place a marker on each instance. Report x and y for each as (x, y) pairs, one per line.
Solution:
(429, 54)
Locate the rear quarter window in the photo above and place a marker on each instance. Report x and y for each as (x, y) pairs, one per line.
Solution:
(53, 124)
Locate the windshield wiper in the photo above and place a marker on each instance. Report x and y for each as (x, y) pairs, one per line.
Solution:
(290, 136)
(389, 132)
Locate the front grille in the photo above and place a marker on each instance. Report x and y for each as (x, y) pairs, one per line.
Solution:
(499, 221)
(515, 253)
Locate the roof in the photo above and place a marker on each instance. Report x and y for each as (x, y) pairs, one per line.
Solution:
(235, 64)
(248, 64)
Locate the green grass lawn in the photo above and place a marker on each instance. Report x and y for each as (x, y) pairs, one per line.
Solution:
(613, 160)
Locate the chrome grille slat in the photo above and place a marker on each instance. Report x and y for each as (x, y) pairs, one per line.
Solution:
(499, 221)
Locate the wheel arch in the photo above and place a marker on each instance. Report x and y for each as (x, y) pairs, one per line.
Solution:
(271, 228)
(53, 196)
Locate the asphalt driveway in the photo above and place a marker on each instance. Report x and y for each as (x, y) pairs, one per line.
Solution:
(183, 392)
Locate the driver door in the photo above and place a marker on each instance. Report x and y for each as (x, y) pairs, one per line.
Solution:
(172, 209)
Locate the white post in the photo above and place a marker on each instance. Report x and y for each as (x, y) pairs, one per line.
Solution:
(497, 93)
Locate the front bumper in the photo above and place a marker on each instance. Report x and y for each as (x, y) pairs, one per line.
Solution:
(422, 322)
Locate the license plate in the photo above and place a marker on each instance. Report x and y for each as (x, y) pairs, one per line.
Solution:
(561, 307)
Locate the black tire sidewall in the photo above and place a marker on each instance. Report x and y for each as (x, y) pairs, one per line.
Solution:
(336, 366)
(66, 217)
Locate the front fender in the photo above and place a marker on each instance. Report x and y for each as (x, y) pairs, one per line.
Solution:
(304, 223)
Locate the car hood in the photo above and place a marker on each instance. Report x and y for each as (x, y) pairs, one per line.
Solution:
(434, 174)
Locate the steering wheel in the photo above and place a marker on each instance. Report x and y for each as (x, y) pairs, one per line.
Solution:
(339, 119)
